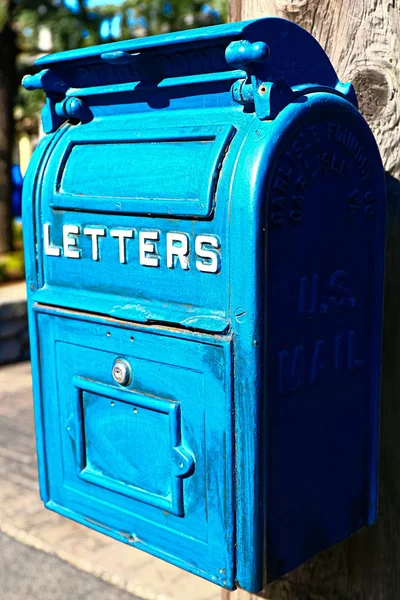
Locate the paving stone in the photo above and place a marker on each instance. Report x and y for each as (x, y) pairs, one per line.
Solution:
(31, 574)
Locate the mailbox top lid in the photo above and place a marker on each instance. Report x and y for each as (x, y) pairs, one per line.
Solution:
(292, 53)
(199, 36)
(261, 28)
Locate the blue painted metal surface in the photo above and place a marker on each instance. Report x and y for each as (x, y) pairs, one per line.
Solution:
(204, 234)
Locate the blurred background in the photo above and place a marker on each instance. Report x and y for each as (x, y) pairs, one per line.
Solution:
(31, 28)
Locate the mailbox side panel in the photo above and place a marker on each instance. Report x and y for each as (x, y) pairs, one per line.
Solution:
(325, 247)
(307, 370)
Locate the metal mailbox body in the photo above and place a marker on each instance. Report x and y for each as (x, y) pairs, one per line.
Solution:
(204, 234)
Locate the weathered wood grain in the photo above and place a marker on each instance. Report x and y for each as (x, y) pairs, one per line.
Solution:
(362, 38)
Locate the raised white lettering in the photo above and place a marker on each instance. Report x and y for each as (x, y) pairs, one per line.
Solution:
(146, 248)
(170, 249)
(95, 233)
(212, 264)
(122, 235)
(181, 252)
(49, 248)
(70, 242)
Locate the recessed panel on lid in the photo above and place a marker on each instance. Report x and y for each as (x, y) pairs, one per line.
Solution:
(171, 172)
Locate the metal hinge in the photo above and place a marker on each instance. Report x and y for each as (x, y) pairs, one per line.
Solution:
(57, 108)
(270, 97)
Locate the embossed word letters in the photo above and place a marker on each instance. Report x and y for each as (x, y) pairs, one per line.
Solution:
(178, 246)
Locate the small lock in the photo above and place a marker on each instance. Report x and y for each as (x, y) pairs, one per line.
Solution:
(122, 371)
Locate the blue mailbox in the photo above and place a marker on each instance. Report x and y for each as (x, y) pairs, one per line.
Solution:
(204, 234)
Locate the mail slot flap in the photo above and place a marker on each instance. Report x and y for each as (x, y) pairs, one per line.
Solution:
(169, 171)
(158, 253)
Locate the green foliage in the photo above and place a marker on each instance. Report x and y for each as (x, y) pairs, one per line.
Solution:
(161, 17)
(12, 266)
(17, 234)
(12, 263)
(28, 104)
(65, 27)
(3, 13)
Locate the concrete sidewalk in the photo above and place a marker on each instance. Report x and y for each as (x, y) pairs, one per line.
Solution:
(27, 573)
(23, 517)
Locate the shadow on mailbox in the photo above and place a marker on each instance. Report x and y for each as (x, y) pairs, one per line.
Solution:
(204, 245)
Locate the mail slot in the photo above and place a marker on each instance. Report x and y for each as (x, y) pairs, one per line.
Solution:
(204, 234)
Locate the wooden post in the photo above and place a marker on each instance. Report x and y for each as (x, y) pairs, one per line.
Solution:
(362, 38)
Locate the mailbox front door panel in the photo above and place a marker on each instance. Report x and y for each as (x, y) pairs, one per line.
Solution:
(150, 461)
